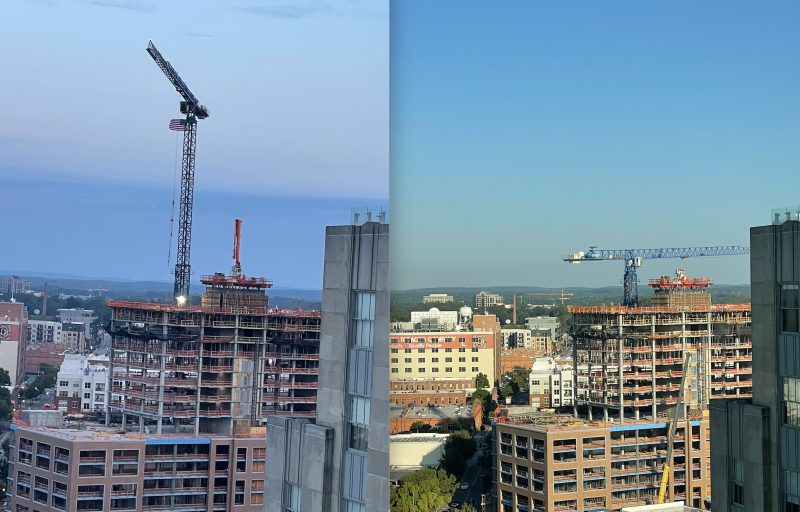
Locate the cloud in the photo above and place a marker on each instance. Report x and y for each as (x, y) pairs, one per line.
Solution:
(197, 34)
(131, 5)
(286, 11)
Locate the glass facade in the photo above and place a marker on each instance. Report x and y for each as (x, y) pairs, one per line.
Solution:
(359, 387)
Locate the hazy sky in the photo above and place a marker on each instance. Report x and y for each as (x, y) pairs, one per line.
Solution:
(298, 97)
(523, 133)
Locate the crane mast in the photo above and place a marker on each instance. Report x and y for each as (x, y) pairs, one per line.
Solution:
(191, 107)
(633, 260)
(667, 468)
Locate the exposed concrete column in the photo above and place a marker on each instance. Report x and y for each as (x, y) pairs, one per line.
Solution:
(684, 355)
(163, 345)
(654, 381)
(620, 370)
(200, 353)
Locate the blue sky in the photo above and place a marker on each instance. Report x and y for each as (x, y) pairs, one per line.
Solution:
(298, 132)
(526, 131)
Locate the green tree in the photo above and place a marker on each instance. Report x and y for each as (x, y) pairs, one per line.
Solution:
(466, 507)
(423, 491)
(485, 398)
(506, 390)
(458, 449)
(5, 378)
(482, 381)
(420, 426)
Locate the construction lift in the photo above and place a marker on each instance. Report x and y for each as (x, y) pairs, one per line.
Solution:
(662, 492)
(633, 260)
(191, 107)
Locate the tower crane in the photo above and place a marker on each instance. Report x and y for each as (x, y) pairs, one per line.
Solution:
(561, 294)
(633, 260)
(191, 107)
(667, 467)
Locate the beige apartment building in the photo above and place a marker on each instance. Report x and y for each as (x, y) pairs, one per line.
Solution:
(441, 355)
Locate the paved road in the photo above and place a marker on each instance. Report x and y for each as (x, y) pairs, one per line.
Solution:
(474, 477)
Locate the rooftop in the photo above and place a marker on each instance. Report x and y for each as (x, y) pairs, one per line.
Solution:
(88, 432)
(188, 308)
(625, 310)
(418, 438)
(425, 412)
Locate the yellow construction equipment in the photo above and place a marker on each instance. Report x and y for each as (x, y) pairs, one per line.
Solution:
(662, 492)
(564, 295)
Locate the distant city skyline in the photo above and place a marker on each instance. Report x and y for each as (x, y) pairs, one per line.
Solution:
(298, 131)
(523, 133)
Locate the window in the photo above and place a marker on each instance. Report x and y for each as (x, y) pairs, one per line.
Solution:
(76, 384)
(408, 360)
(407, 370)
(421, 370)
(534, 383)
(462, 359)
(99, 397)
(435, 350)
(407, 351)
(75, 404)
(791, 401)
(434, 359)
(789, 312)
(63, 393)
(462, 340)
(421, 350)
(462, 369)
(475, 369)
(420, 359)
(87, 395)
(395, 351)
(395, 370)
(462, 349)
(86, 406)
(63, 383)
(87, 385)
(99, 387)
(448, 349)
(737, 482)
(394, 360)
(363, 319)
(292, 499)
(448, 359)
(474, 349)
(435, 370)
(448, 370)
(474, 359)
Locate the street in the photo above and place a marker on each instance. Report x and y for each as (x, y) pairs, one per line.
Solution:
(474, 477)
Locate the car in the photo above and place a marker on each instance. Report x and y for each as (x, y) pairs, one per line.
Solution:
(454, 504)
(46, 406)
(464, 485)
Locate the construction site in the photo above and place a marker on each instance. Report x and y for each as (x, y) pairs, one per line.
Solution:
(637, 370)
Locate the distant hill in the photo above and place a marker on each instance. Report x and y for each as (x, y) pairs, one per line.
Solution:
(131, 289)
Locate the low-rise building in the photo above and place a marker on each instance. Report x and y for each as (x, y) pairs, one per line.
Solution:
(79, 316)
(44, 331)
(13, 339)
(549, 323)
(430, 391)
(441, 418)
(412, 452)
(542, 340)
(551, 462)
(441, 355)
(516, 338)
(550, 384)
(47, 353)
(15, 284)
(73, 336)
(486, 299)
(434, 320)
(81, 386)
(69, 469)
(437, 297)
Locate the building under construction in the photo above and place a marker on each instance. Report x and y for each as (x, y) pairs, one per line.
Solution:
(215, 368)
(630, 360)
(611, 451)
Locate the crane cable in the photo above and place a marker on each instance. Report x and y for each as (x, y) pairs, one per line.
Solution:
(174, 186)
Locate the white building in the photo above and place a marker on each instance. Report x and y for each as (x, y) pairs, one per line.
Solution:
(15, 284)
(44, 331)
(550, 384)
(434, 319)
(486, 299)
(81, 386)
(410, 452)
(437, 297)
(79, 316)
(516, 338)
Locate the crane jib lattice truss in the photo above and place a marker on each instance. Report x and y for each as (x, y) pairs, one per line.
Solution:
(633, 260)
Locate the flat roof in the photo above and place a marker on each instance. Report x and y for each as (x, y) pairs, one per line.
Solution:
(425, 412)
(427, 437)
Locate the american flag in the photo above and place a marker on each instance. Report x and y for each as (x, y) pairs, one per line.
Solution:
(178, 125)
